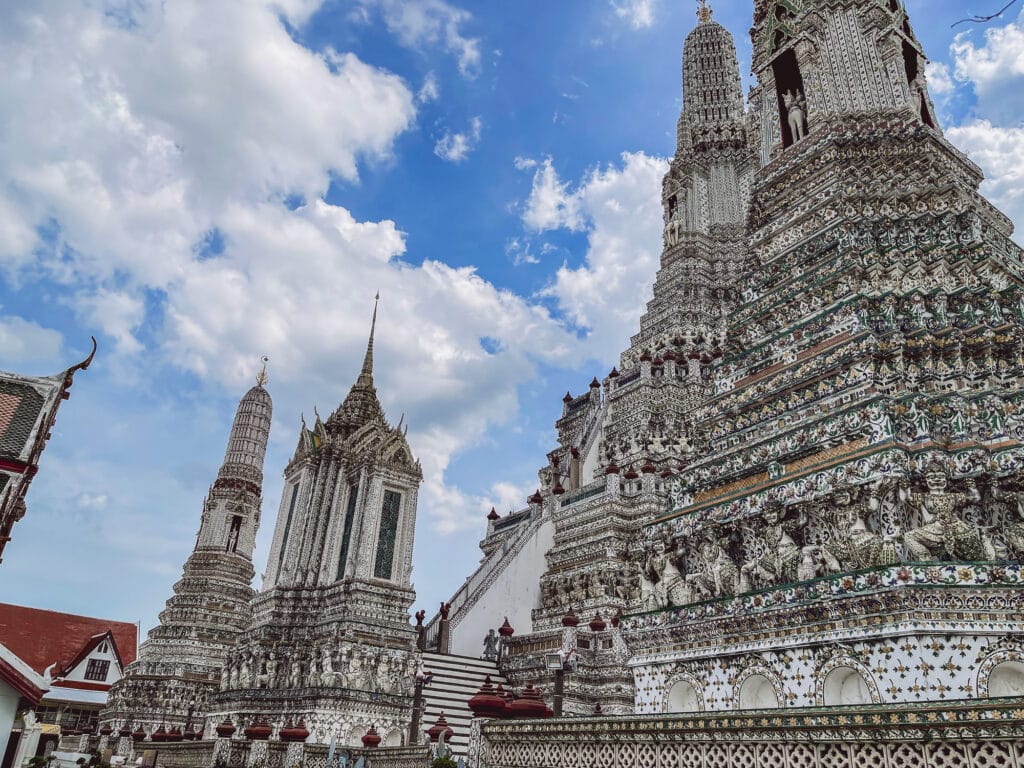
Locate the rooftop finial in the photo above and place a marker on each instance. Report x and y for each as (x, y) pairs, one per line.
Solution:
(366, 375)
(261, 377)
(704, 12)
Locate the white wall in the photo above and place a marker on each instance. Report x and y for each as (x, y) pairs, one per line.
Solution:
(515, 592)
(8, 709)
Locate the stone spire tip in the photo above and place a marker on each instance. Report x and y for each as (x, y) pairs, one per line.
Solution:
(366, 374)
(704, 12)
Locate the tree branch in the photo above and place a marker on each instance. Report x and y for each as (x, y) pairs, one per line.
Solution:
(990, 17)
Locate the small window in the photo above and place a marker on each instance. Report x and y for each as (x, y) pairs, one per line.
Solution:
(97, 669)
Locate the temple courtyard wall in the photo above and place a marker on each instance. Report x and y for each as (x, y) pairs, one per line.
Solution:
(981, 733)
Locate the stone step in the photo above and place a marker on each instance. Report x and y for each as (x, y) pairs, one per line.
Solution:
(456, 680)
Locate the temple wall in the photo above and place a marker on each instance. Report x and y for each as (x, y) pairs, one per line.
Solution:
(512, 590)
(964, 734)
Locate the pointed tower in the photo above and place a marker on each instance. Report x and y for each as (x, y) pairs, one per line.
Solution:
(665, 371)
(330, 632)
(619, 440)
(180, 663)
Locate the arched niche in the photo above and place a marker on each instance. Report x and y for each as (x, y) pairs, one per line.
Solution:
(393, 739)
(757, 692)
(355, 736)
(1006, 679)
(683, 697)
(846, 686)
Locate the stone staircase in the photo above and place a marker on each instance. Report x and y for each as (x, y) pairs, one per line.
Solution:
(456, 680)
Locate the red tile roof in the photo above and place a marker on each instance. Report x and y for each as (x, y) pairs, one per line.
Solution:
(41, 638)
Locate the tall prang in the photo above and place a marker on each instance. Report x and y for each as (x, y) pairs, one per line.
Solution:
(180, 663)
(848, 530)
(666, 370)
(620, 440)
(330, 642)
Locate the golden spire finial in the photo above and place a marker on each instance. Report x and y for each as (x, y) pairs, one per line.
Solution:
(704, 12)
(261, 377)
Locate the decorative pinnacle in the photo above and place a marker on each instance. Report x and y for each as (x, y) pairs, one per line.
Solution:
(704, 12)
(366, 375)
(261, 377)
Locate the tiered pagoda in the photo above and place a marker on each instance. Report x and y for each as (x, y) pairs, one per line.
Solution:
(180, 663)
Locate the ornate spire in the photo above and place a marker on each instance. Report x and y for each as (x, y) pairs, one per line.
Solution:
(261, 377)
(704, 12)
(366, 374)
(361, 405)
(247, 445)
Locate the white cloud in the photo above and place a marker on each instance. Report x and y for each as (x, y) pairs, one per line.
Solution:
(93, 501)
(637, 13)
(524, 163)
(118, 313)
(995, 69)
(551, 205)
(455, 147)
(1000, 153)
(620, 210)
(430, 90)
(24, 341)
(518, 249)
(152, 129)
(421, 23)
(940, 81)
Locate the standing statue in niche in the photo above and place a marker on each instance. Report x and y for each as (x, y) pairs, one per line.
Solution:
(491, 645)
(796, 113)
(917, 91)
(944, 533)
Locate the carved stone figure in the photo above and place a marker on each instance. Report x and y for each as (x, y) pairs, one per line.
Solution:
(774, 560)
(853, 547)
(917, 91)
(245, 673)
(653, 571)
(796, 113)
(1013, 533)
(944, 533)
(491, 645)
(382, 676)
(715, 574)
(327, 673)
(677, 590)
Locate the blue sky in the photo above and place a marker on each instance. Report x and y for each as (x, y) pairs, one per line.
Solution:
(200, 184)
